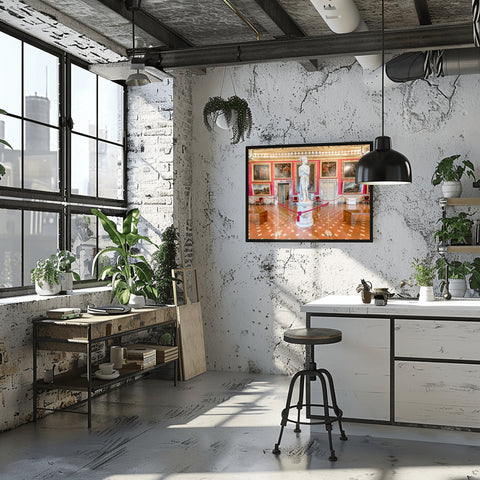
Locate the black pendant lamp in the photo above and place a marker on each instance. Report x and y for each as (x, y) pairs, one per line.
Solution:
(135, 79)
(383, 166)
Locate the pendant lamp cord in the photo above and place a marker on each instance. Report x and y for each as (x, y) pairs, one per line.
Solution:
(383, 67)
(133, 33)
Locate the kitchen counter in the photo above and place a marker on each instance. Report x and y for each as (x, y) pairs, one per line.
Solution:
(405, 363)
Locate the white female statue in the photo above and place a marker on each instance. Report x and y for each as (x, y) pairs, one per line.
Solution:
(304, 174)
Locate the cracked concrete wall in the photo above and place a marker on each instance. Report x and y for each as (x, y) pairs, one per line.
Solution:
(252, 292)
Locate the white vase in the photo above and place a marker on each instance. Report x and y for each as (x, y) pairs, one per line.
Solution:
(426, 294)
(47, 289)
(457, 287)
(66, 282)
(451, 189)
(136, 301)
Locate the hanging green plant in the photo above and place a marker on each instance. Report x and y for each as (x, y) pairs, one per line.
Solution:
(237, 113)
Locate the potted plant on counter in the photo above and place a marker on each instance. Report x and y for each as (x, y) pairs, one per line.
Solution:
(449, 174)
(424, 276)
(457, 273)
(130, 273)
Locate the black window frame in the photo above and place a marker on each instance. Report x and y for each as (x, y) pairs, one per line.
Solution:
(62, 202)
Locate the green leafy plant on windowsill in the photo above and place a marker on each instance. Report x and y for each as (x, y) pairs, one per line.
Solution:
(47, 270)
(130, 273)
(4, 142)
(447, 171)
(455, 229)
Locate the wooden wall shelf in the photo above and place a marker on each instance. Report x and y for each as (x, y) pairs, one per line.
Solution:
(463, 249)
(463, 201)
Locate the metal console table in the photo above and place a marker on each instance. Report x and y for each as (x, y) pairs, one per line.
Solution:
(80, 334)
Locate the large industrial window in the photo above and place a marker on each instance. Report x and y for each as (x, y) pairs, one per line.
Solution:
(66, 128)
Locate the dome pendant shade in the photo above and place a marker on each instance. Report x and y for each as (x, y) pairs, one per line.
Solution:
(137, 80)
(383, 166)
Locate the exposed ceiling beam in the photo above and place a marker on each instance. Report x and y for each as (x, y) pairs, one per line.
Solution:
(432, 37)
(149, 24)
(286, 24)
(423, 13)
(79, 27)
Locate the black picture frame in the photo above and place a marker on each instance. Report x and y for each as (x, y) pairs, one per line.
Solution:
(279, 204)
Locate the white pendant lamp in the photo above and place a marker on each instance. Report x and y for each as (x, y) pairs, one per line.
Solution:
(135, 79)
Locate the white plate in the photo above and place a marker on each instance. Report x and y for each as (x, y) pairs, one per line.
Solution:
(107, 376)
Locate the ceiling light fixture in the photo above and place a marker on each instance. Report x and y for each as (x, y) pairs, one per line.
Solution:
(383, 166)
(135, 79)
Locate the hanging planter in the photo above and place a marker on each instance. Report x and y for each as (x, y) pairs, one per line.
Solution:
(234, 113)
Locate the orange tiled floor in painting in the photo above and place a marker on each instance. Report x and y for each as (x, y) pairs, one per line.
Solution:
(329, 223)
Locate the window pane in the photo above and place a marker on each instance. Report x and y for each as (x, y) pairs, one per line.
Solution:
(84, 101)
(11, 159)
(110, 110)
(84, 229)
(11, 77)
(110, 171)
(84, 166)
(41, 158)
(41, 85)
(10, 248)
(41, 233)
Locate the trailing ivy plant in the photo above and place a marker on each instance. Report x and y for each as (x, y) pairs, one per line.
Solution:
(2, 168)
(130, 273)
(164, 260)
(237, 115)
(447, 171)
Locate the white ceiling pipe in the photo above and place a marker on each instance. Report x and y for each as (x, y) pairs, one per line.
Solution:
(342, 16)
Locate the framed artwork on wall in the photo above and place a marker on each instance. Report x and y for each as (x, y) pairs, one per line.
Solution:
(261, 172)
(349, 169)
(282, 171)
(286, 216)
(328, 169)
(261, 188)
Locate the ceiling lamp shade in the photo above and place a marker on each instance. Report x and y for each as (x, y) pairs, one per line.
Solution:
(135, 79)
(383, 166)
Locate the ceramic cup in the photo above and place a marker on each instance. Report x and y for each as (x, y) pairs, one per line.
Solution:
(117, 355)
(106, 368)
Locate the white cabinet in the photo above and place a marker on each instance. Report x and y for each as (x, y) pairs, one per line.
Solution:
(360, 365)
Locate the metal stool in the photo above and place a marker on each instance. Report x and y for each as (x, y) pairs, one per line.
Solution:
(311, 337)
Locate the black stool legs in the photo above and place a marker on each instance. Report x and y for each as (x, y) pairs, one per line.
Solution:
(327, 419)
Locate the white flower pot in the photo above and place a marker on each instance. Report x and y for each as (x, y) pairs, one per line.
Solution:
(222, 121)
(451, 189)
(47, 289)
(66, 282)
(136, 301)
(426, 294)
(457, 287)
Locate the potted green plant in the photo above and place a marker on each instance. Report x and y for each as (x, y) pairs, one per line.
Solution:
(2, 168)
(65, 260)
(456, 229)
(457, 273)
(45, 276)
(474, 279)
(232, 113)
(130, 273)
(164, 259)
(424, 276)
(448, 173)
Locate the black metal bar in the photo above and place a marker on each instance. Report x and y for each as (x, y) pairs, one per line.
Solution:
(392, 369)
(437, 360)
(89, 376)
(423, 12)
(429, 37)
(35, 387)
(280, 17)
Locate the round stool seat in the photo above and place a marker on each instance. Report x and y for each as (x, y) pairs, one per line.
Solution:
(312, 336)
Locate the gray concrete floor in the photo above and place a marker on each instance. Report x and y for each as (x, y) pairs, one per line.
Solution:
(217, 426)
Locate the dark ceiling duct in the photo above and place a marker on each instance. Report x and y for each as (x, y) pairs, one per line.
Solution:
(437, 63)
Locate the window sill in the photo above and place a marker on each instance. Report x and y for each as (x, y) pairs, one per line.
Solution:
(38, 298)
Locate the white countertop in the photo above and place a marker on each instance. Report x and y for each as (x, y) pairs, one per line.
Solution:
(352, 304)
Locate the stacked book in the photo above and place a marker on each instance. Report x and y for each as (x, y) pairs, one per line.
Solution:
(165, 353)
(141, 356)
(63, 313)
